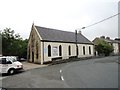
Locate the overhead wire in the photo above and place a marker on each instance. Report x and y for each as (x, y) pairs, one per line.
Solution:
(101, 21)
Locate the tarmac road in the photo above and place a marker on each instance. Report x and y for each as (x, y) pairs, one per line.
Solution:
(92, 73)
(99, 73)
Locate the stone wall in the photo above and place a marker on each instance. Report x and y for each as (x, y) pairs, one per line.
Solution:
(34, 42)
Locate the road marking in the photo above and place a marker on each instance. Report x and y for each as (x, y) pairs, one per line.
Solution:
(60, 71)
(62, 78)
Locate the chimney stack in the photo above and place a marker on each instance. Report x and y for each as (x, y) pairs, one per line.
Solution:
(79, 32)
(103, 37)
(108, 38)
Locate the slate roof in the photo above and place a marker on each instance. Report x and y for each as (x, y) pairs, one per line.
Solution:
(107, 40)
(118, 40)
(110, 41)
(114, 41)
(48, 34)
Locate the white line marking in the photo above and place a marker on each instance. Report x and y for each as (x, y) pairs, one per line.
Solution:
(60, 71)
(62, 78)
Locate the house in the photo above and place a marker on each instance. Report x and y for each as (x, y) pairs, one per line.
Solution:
(0, 51)
(0, 45)
(47, 44)
(114, 43)
(0, 54)
(118, 39)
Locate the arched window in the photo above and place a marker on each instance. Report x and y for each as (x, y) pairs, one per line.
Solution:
(77, 50)
(32, 42)
(49, 50)
(60, 50)
(89, 50)
(69, 50)
(36, 50)
(83, 50)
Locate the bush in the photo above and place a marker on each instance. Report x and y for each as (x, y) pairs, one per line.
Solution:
(104, 48)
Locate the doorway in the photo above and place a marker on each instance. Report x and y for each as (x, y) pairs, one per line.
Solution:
(32, 56)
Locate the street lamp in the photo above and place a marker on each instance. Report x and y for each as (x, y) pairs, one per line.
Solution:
(76, 40)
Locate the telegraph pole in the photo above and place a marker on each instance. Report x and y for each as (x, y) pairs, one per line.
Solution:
(76, 41)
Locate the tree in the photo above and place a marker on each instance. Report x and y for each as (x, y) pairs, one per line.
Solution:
(7, 41)
(104, 48)
(23, 48)
(13, 44)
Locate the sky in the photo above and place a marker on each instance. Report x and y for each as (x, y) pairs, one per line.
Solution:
(66, 15)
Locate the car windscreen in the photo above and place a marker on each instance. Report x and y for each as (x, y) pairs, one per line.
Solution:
(13, 60)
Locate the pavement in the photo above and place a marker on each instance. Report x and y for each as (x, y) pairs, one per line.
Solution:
(29, 66)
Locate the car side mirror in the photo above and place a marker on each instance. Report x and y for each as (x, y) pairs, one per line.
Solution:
(8, 62)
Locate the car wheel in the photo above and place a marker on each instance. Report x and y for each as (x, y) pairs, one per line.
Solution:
(11, 71)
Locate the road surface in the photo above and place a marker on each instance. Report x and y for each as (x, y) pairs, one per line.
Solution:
(92, 73)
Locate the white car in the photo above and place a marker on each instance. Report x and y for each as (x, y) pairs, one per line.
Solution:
(9, 65)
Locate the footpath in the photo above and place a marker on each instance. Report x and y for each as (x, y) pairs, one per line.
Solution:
(29, 66)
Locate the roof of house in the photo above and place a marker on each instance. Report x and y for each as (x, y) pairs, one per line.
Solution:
(48, 34)
(107, 40)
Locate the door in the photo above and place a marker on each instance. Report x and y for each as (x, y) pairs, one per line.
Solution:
(32, 56)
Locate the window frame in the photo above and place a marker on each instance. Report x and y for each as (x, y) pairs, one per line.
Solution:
(49, 50)
(89, 50)
(69, 50)
(83, 50)
(37, 48)
(60, 50)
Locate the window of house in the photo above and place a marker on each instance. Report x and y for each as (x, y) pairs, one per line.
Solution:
(89, 50)
(60, 50)
(77, 50)
(69, 50)
(36, 50)
(49, 50)
(83, 50)
(32, 42)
